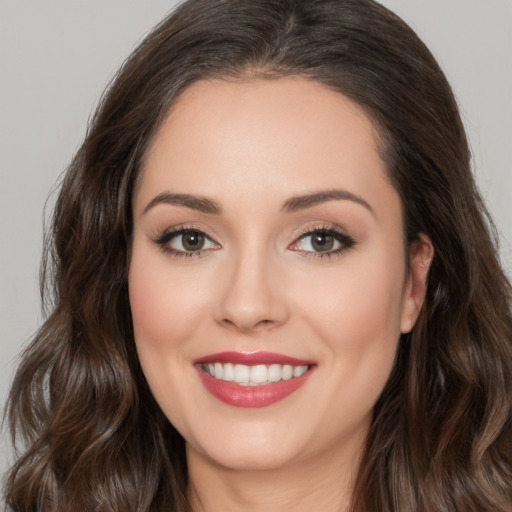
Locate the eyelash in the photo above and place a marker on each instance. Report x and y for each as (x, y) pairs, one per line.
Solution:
(163, 240)
(345, 241)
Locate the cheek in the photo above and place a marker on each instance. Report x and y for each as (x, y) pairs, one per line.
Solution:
(371, 305)
(165, 310)
(166, 306)
(360, 326)
(357, 314)
(362, 300)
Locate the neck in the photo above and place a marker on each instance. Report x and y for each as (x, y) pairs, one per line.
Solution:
(321, 483)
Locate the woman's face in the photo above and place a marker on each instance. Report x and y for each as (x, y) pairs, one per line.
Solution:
(268, 282)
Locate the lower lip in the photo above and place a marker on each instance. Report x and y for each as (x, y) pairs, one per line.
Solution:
(251, 396)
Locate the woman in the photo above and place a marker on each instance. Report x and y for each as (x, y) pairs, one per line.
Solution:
(274, 281)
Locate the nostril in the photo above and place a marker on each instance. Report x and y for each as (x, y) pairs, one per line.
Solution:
(247, 326)
(249, 304)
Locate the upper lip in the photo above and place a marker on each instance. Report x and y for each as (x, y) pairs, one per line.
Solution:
(252, 358)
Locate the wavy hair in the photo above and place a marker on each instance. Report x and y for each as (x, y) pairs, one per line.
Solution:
(91, 435)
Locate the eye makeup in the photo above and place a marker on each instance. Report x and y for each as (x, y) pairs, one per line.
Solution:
(316, 242)
(322, 242)
(186, 241)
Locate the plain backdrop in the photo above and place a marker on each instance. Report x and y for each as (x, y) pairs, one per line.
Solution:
(56, 57)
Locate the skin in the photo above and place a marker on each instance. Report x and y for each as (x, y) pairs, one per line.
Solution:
(250, 147)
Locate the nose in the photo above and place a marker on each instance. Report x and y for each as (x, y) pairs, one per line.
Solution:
(253, 297)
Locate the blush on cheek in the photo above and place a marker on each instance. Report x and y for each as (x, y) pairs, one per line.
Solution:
(147, 313)
(364, 306)
(164, 312)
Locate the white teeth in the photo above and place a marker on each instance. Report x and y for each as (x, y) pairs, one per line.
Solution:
(253, 375)
(218, 370)
(287, 372)
(299, 370)
(274, 372)
(228, 373)
(258, 374)
(242, 374)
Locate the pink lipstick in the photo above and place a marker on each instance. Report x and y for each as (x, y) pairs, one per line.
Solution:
(252, 379)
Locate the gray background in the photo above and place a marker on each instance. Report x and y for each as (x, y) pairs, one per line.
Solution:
(56, 56)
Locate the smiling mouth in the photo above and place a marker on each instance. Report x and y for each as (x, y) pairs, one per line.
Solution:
(253, 379)
(254, 375)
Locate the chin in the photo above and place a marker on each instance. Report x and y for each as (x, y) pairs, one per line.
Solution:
(250, 460)
(248, 452)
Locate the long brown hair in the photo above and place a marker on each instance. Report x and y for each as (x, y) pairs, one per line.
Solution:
(441, 440)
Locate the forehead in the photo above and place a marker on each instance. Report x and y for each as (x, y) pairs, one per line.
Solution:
(271, 138)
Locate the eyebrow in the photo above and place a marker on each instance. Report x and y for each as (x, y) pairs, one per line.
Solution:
(294, 204)
(309, 200)
(202, 204)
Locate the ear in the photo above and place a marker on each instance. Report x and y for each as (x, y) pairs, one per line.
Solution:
(421, 253)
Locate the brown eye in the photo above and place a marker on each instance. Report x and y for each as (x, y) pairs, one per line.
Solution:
(186, 242)
(322, 242)
(193, 240)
